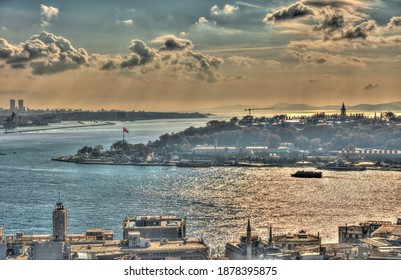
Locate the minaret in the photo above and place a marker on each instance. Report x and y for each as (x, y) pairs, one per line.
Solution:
(270, 235)
(249, 231)
(343, 114)
(249, 241)
(59, 222)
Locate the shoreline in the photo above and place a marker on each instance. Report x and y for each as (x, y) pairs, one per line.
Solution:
(61, 127)
(71, 159)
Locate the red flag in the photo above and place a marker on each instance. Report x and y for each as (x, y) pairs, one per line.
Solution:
(125, 130)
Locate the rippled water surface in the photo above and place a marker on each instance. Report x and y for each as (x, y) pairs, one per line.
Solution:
(216, 201)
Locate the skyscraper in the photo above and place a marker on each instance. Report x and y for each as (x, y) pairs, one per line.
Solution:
(12, 104)
(21, 105)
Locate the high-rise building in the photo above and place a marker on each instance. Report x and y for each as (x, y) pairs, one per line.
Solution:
(21, 105)
(59, 222)
(12, 104)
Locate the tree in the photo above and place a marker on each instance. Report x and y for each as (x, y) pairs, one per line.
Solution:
(315, 143)
(390, 116)
(274, 140)
(303, 142)
(350, 149)
(85, 151)
(234, 120)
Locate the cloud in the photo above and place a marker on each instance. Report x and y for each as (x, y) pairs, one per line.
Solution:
(47, 53)
(336, 20)
(7, 50)
(44, 54)
(296, 10)
(242, 61)
(364, 4)
(272, 63)
(127, 22)
(394, 22)
(110, 64)
(370, 86)
(249, 5)
(204, 28)
(370, 43)
(331, 21)
(334, 28)
(142, 54)
(247, 62)
(48, 14)
(202, 20)
(173, 60)
(226, 11)
(172, 43)
(322, 58)
(391, 41)
(360, 31)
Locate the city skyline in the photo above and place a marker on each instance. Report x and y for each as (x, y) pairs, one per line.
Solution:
(173, 56)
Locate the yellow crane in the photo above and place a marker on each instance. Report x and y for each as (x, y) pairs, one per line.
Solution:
(254, 109)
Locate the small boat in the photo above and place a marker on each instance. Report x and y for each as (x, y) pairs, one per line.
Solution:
(304, 164)
(307, 174)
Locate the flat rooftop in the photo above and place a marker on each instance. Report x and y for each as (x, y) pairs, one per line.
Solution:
(388, 230)
(153, 221)
(114, 247)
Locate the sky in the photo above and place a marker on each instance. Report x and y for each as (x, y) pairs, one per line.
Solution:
(170, 55)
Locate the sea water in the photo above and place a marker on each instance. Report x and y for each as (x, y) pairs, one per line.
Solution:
(216, 201)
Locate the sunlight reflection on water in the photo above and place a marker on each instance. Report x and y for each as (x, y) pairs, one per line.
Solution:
(216, 201)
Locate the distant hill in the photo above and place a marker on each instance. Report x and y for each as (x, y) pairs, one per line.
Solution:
(228, 108)
(391, 106)
(286, 106)
(377, 107)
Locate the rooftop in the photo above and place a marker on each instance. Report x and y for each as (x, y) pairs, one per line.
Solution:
(152, 221)
(388, 230)
(115, 247)
(302, 236)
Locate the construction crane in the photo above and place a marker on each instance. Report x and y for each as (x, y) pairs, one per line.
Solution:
(253, 109)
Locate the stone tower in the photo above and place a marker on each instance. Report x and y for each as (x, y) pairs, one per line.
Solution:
(343, 114)
(59, 222)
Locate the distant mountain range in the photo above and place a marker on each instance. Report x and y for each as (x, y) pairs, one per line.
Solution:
(228, 108)
(391, 106)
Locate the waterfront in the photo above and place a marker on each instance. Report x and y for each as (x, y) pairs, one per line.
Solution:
(216, 201)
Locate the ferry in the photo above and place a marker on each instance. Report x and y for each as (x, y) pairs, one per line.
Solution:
(341, 165)
(307, 174)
